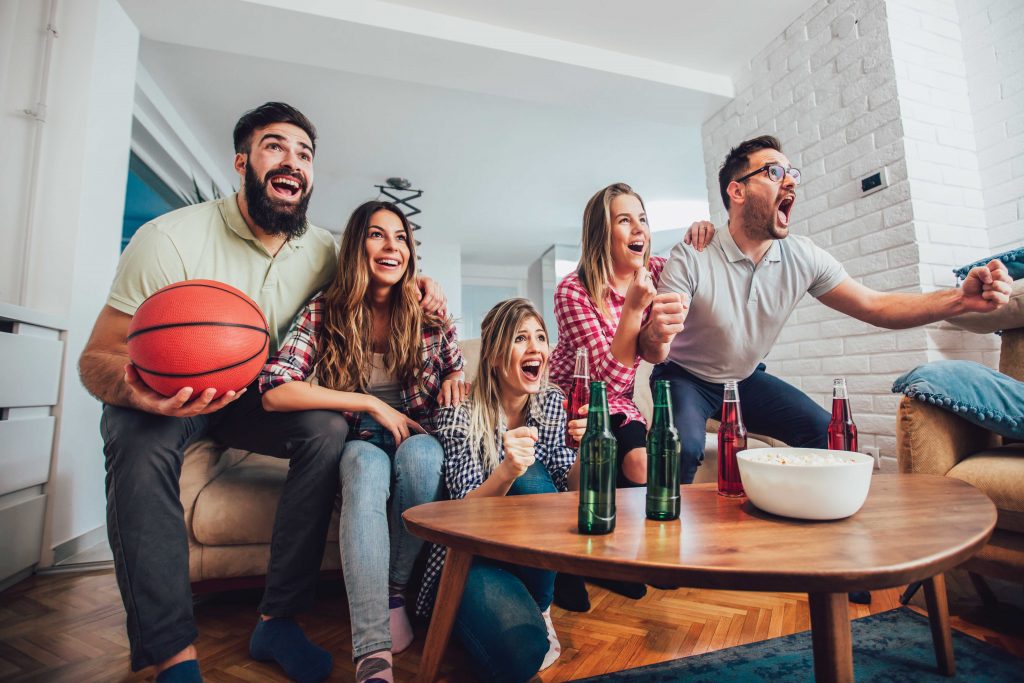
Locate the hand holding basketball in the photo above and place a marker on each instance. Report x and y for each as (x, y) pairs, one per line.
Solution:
(190, 337)
(181, 404)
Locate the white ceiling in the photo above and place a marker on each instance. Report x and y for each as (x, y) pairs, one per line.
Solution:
(507, 123)
(706, 35)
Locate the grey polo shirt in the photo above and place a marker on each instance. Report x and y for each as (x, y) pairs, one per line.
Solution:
(737, 307)
(211, 241)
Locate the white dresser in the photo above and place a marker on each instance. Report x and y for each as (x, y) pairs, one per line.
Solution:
(31, 360)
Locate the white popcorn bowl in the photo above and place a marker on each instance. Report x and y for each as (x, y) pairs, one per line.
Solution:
(804, 491)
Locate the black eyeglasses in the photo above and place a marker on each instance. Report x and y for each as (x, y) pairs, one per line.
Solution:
(776, 172)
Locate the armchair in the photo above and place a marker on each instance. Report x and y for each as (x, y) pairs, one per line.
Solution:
(934, 441)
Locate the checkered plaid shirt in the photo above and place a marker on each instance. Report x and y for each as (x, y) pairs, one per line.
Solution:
(463, 471)
(581, 325)
(296, 361)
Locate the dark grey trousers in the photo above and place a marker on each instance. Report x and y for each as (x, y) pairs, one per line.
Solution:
(145, 520)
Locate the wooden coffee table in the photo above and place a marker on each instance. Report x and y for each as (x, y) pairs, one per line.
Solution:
(913, 527)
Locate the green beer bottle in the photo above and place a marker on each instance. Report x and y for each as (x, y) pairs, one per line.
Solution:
(598, 451)
(662, 458)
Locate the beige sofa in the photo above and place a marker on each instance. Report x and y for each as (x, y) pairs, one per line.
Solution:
(230, 498)
(934, 441)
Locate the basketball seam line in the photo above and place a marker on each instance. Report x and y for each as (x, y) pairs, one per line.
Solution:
(263, 349)
(209, 323)
(191, 283)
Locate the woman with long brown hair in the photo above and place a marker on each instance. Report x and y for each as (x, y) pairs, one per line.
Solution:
(602, 307)
(507, 438)
(378, 358)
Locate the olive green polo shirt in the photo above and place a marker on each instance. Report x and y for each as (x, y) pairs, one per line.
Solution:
(211, 241)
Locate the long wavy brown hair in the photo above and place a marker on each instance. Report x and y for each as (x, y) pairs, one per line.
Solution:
(595, 267)
(345, 341)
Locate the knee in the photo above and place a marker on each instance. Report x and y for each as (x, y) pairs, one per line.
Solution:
(419, 458)
(813, 430)
(535, 480)
(142, 445)
(317, 439)
(365, 467)
(325, 429)
(501, 626)
(525, 652)
(692, 448)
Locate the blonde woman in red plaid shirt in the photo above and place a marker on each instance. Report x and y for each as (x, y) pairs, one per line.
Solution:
(602, 307)
(388, 366)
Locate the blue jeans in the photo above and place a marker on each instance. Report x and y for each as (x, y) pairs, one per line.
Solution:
(770, 406)
(499, 619)
(372, 471)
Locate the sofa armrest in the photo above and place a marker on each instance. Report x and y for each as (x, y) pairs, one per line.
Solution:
(930, 440)
(1005, 317)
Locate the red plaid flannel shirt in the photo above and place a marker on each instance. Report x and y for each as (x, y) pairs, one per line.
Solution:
(581, 325)
(295, 361)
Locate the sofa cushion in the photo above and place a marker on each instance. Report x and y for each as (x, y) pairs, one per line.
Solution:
(977, 393)
(1007, 317)
(238, 506)
(1013, 260)
(999, 473)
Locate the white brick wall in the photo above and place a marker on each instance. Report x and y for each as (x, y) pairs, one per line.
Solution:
(942, 158)
(993, 42)
(850, 87)
(831, 96)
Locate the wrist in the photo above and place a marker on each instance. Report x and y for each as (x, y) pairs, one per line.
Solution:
(371, 405)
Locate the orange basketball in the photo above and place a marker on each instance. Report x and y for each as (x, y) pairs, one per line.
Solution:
(199, 334)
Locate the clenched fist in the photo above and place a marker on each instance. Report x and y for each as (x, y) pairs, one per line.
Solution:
(519, 449)
(668, 313)
(641, 291)
(987, 287)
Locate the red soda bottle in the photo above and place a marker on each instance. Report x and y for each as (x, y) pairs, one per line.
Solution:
(732, 438)
(842, 433)
(579, 392)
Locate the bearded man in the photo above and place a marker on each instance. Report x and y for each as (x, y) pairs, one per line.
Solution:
(259, 241)
(743, 288)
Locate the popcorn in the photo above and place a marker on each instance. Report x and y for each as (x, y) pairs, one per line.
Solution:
(769, 457)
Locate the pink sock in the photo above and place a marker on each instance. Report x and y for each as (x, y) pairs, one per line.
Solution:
(401, 629)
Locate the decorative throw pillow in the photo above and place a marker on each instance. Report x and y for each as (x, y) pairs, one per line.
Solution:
(1013, 260)
(977, 393)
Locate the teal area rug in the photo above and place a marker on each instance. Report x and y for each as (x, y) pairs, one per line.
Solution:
(894, 647)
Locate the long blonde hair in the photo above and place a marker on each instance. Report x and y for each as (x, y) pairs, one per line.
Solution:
(595, 267)
(487, 420)
(345, 344)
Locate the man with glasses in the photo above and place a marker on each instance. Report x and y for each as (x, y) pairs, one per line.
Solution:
(743, 288)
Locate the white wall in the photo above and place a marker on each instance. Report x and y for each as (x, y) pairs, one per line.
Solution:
(827, 89)
(77, 226)
(993, 45)
(22, 25)
(442, 261)
(942, 159)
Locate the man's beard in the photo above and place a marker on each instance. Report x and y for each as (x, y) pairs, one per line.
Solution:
(273, 216)
(759, 217)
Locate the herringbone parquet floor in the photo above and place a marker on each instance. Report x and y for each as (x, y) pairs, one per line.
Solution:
(70, 627)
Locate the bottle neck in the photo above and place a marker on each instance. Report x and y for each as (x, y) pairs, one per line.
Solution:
(839, 390)
(598, 420)
(731, 412)
(581, 368)
(662, 403)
